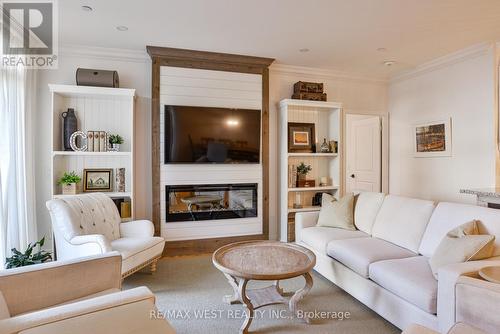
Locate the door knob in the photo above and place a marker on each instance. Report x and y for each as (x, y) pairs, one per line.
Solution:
(353, 176)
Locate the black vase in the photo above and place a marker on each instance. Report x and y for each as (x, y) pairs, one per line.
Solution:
(70, 127)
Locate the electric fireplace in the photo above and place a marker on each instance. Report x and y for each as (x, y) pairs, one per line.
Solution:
(202, 202)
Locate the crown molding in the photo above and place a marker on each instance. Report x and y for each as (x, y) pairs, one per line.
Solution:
(445, 61)
(325, 73)
(214, 57)
(95, 52)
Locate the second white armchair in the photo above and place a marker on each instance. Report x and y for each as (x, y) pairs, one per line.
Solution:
(90, 224)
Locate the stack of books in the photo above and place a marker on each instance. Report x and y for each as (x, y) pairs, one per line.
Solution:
(97, 141)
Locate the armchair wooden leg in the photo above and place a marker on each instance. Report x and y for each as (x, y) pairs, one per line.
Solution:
(153, 266)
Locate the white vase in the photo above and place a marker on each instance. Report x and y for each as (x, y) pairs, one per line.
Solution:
(115, 147)
(69, 189)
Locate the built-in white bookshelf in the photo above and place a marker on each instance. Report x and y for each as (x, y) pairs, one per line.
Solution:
(97, 109)
(327, 118)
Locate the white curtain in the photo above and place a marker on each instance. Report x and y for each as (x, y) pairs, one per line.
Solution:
(17, 193)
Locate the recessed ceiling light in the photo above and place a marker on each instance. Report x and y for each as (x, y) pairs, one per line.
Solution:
(389, 62)
(304, 50)
(122, 28)
(87, 8)
(381, 49)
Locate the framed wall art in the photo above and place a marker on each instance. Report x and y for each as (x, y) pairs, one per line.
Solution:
(97, 180)
(301, 138)
(432, 139)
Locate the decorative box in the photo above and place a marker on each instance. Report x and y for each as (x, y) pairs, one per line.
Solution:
(306, 183)
(310, 96)
(307, 87)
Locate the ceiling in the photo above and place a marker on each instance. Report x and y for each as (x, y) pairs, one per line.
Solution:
(341, 35)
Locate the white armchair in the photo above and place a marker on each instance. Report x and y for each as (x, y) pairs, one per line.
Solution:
(90, 224)
(75, 296)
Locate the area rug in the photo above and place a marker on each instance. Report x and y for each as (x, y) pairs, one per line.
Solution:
(189, 293)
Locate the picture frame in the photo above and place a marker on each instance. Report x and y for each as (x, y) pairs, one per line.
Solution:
(301, 137)
(98, 180)
(432, 139)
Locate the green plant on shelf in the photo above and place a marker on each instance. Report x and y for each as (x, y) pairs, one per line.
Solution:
(115, 139)
(303, 169)
(69, 178)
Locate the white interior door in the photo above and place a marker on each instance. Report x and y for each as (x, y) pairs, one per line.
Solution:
(363, 153)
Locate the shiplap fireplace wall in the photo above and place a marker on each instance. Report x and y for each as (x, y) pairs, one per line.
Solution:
(208, 88)
(207, 79)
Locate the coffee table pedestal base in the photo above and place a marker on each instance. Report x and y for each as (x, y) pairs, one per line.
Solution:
(257, 298)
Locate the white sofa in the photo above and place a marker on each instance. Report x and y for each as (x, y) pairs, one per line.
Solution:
(90, 224)
(384, 264)
(75, 296)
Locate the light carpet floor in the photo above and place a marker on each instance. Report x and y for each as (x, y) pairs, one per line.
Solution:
(189, 291)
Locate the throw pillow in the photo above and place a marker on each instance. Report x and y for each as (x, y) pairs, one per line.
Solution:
(335, 213)
(464, 243)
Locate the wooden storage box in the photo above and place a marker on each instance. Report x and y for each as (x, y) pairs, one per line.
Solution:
(307, 87)
(310, 96)
(306, 183)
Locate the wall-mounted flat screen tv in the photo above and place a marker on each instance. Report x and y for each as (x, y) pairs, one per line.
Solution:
(203, 135)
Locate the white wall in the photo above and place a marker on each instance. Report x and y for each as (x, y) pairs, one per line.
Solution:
(359, 96)
(461, 87)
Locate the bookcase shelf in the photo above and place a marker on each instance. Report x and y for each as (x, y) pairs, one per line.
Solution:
(322, 188)
(305, 209)
(114, 194)
(96, 109)
(327, 155)
(327, 119)
(85, 153)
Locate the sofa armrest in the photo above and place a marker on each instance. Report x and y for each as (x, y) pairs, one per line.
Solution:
(99, 241)
(85, 307)
(137, 229)
(477, 303)
(31, 288)
(304, 220)
(448, 277)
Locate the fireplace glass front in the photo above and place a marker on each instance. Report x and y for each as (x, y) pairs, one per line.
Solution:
(210, 201)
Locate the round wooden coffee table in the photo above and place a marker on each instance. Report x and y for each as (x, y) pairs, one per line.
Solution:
(241, 262)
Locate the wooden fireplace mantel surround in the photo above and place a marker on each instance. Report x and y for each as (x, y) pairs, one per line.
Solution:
(161, 56)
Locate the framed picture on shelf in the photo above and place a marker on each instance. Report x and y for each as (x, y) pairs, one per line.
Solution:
(433, 139)
(97, 180)
(301, 138)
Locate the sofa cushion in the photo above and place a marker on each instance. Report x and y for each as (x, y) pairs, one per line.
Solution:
(335, 213)
(318, 237)
(358, 254)
(447, 216)
(136, 251)
(366, 209)
(402, 221)
(409, 278)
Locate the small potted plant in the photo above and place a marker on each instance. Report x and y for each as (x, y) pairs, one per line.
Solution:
(115, 141)
(68, 182)
(29, 257)
(302, 171)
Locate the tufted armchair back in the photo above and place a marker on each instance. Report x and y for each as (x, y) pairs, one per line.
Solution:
(85, 214)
